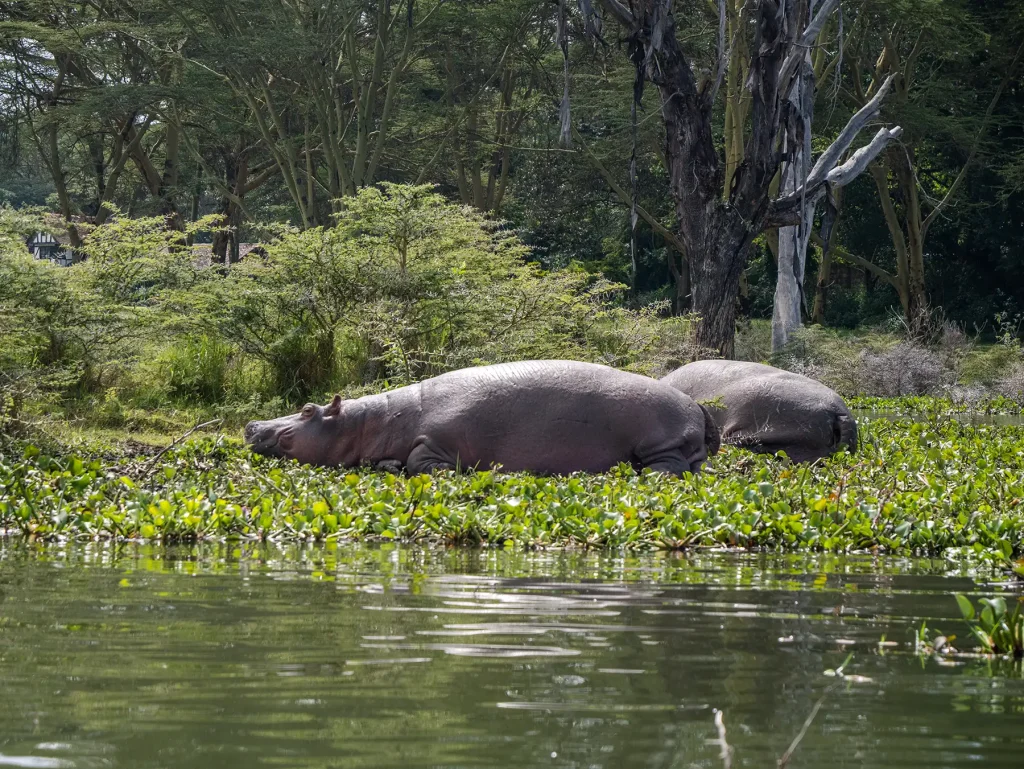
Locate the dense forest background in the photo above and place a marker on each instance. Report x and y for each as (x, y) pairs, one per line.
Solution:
(525, 137)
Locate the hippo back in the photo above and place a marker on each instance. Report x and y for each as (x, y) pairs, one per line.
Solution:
(526, 414)
(767, 409)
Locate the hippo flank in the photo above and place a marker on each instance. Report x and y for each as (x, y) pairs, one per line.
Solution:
(766, 410)
(546, 417)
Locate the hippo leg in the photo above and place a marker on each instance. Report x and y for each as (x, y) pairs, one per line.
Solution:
(426, 458)
(672, 462)
(392, 466)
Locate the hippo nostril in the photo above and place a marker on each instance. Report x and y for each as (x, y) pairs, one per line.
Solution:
(254, 432)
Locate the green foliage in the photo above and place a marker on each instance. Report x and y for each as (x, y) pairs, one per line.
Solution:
(932, 407)
(998, 630)
(128, 262)
(72, 331)
(196, 369)
(987, 365)
(405, 285)
(39, 317)
(924, 488)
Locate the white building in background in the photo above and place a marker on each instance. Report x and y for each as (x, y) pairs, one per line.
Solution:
(56, 248)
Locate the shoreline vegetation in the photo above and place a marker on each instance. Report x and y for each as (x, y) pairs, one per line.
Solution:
(938, 487)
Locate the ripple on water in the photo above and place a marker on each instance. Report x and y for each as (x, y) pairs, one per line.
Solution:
(413, 658)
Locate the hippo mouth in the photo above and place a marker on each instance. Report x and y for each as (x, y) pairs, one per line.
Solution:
(263, 440)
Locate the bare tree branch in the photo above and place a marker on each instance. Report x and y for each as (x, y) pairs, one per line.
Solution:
(830, 157)
(807, 39)
(723, 54)
(813, 29)
(619, 11)
(852, 168)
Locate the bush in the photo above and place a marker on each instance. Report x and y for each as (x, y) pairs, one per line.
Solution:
(643, 341)
(906, 369)
(404, 286)
(1011, 385)
(41, 321)
(195, 369)
(988, 366)
(754, 340)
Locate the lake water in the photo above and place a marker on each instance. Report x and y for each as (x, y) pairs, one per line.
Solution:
(375, 657)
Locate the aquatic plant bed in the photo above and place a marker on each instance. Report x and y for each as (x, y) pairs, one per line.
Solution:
(932, 406)
(940, 487)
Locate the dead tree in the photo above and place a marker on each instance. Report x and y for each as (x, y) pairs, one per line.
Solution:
(716, 231)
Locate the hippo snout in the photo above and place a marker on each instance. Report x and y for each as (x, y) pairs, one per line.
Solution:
(262, 437)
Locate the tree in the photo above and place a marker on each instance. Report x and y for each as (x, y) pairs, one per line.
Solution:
(485, 61)
(321, 82)
(90, 82)
(717, 233)
(913, 183)
(792, 241)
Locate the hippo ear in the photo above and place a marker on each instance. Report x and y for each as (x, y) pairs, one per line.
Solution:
(712, 435)
(334, 408)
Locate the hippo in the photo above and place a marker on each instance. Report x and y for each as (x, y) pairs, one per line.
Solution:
(766, 409)
(549, 417)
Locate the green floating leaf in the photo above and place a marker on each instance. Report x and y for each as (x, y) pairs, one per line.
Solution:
(966, 607)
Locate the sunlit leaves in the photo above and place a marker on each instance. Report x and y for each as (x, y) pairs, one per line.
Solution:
(895, 496)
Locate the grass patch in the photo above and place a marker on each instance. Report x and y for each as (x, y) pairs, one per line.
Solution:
(927, 488)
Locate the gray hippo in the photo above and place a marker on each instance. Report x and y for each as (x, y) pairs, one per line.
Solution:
(546, 417)
(766, 409)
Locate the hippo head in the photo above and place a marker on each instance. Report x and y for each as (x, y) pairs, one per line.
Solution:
(712, 434)
(309, 436)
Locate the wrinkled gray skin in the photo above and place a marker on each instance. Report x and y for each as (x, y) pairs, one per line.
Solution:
(768, 410)
(545, 417)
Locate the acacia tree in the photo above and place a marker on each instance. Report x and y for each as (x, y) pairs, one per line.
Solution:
(717, 232)
(91, 96)
(484, 61)
(914, 186)
(321, 81)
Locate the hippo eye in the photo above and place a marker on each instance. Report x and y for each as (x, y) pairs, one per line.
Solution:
(308, 410)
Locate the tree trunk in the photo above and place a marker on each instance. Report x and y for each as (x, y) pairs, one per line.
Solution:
(716, 250)
(716, 282)
(825, 268)
(717, 233)
(917, 298)
(792, 256)
(680, 273)
(821, 288)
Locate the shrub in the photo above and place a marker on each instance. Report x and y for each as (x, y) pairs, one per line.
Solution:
(1011, 384)
(754, 340)
(989, 365)
(195, 369)
(404, 286)
(906, 369)
(41, 320)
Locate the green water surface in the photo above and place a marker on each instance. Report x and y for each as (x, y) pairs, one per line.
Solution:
(378, 657)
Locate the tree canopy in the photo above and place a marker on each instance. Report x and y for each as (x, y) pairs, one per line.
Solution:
(264, 112)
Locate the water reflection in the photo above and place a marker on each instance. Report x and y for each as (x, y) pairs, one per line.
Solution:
(381, 657)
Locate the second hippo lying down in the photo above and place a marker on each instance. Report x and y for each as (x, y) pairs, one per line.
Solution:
(766, 409)
(545, 417)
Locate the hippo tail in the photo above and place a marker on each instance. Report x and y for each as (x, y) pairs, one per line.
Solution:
(712, 435)
(845, 431)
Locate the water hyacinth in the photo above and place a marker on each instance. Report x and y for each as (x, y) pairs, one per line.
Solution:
(928, 488)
